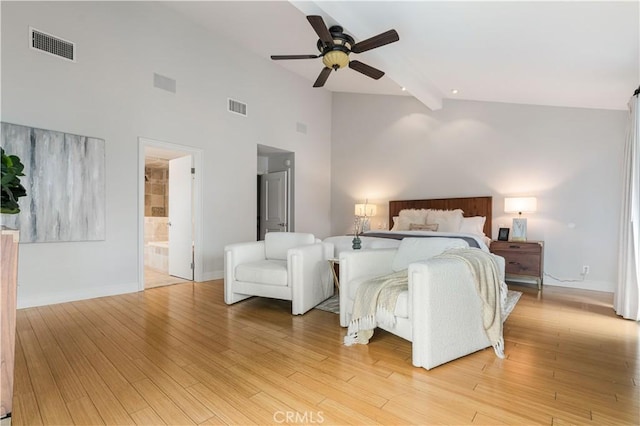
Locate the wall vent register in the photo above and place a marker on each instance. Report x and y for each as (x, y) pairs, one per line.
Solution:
(237, 107)
(52, 45)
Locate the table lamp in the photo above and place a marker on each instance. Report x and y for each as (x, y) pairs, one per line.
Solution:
(519, 205)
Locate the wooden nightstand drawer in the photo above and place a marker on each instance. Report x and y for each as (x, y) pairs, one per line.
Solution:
(522, 259)
(516, 247)
(521, 264)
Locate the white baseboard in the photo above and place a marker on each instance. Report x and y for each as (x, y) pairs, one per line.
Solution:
(605, 286)
(26, 300)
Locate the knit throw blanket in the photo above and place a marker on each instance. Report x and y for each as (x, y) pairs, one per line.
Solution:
(486, 278)
(376, 299)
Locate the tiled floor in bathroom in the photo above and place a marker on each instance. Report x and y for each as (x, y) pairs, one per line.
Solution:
(154, 278)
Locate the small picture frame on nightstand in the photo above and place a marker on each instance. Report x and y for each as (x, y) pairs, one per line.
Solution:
(503, 234)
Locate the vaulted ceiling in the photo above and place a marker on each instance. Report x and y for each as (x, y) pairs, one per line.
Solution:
(566, 53)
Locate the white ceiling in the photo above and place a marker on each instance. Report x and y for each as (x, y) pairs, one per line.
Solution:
(571, 53)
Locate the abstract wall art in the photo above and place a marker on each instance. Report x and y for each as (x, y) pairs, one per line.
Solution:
(65, 183)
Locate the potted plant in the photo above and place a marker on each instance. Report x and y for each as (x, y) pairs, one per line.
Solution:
(12, 190)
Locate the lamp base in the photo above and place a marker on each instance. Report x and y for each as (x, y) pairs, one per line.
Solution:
(519, 229)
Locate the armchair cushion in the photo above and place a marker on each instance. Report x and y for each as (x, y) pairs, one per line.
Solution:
(416, 249)
(269, 272)
(276, 244)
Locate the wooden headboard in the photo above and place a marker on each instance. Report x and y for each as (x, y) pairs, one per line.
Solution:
(471, 206)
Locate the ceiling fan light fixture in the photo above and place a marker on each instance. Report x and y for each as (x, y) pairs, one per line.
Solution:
(335, 58)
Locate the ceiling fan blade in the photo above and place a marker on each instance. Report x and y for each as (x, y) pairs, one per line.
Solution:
(365, 69)
(376, 41)
(320, 28)
(322, 78)
(280, 57)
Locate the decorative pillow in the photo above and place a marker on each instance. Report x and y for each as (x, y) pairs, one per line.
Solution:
(425, 227)
(473, 225)
(447, 220)
(395, 224)
(408, 216)
(413, 250)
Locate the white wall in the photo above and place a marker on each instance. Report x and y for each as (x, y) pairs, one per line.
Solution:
(109, 94)
(392, 147)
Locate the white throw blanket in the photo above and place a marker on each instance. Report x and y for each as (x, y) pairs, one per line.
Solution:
(375, 298)
(487, 280)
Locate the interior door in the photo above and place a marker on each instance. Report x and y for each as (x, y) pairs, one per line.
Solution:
(274, 203)
(180, 218)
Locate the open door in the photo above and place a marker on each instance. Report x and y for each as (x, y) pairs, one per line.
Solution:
(274, 203)
(180, 218)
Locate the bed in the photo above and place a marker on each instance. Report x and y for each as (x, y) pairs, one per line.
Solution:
(441, 311)
(472, 208)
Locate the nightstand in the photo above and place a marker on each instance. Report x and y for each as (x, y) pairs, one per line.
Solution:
(522, 258)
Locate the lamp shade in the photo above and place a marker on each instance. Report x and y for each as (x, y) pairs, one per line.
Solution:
(520, 204)
(365, 210)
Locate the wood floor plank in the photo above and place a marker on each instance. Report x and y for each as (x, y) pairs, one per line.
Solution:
(119, 386)
(147, 417)
(214, 374)
(50, 401)
(106, 403)
(222, 409)
(180, 355)
(25, 409)
(174, 391)
(84, 412)
(166, 409)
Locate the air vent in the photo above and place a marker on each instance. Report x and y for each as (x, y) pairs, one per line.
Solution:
(52, 45)
(237, 107)
(164, 83)
(301, 128)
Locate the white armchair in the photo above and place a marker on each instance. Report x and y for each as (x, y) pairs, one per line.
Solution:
(441, 311)
(286, 265)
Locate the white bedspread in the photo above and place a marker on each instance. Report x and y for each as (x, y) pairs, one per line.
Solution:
(344, 242)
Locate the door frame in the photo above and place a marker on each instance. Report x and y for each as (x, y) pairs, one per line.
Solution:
(196, 154)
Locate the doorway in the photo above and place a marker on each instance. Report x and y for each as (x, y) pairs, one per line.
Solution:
(170, 219)
(276, 169)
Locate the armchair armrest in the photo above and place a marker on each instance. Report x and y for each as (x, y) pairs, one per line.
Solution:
(309, 276)
(235, 254)
(445, 312)
(245, 252)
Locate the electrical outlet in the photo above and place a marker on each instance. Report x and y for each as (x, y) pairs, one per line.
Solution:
(585, 270)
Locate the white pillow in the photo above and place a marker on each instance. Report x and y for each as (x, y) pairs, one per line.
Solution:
(415, 249)
(447, 220)
(408, 216)
(473, 225)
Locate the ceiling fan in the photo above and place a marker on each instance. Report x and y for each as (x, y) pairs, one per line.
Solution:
(335, 46)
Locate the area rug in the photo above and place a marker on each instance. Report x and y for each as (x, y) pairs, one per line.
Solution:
(332, 304)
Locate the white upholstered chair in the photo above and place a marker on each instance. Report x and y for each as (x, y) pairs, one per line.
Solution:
(286, 265)
(440, 313)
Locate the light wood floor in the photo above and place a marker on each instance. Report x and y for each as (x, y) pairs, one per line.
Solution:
(179, 355)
